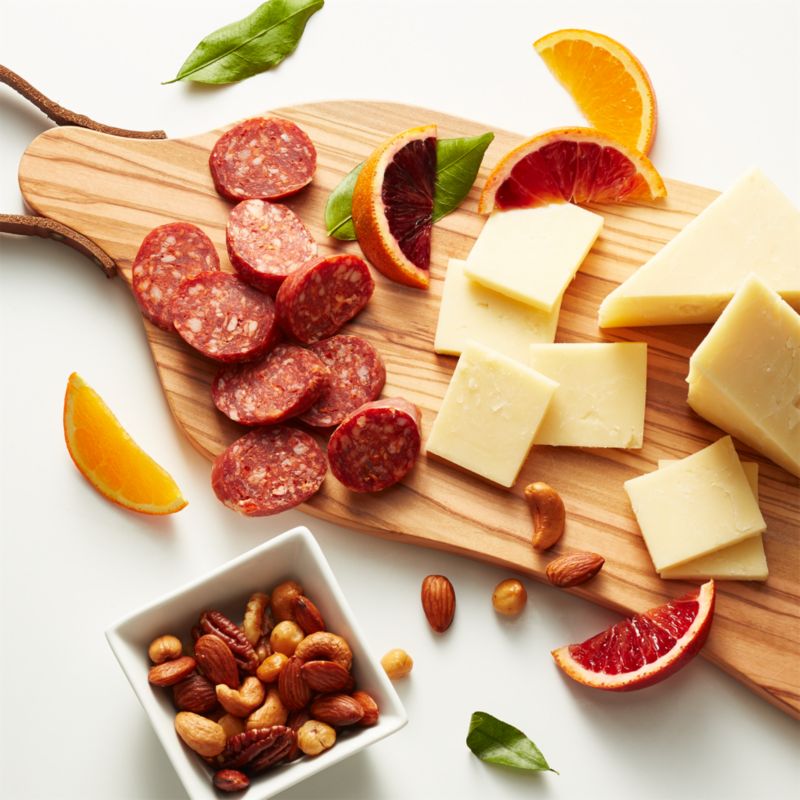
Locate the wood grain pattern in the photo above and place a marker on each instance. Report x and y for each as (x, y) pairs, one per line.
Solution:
(115, 190)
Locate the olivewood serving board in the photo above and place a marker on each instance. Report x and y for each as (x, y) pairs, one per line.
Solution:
(115, 190)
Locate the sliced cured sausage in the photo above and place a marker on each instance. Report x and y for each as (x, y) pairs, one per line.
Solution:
(224, 318)
(268, 470)
(267, 241)
(317, 299)
(283, 384)
(376, 445)
(168, 256)
(265, 157)
(357, 376)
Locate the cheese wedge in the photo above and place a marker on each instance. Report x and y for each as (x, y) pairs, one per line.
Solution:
(471, 311)
(532, 254)
(745, 561)
(696, 506)
(489, 414)
(752, 227)
(745, 375)
(601, 391)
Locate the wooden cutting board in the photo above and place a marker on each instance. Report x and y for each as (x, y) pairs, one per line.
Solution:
(115, 190)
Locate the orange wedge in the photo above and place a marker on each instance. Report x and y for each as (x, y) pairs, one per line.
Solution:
(570, 165)
(109, 459)
(393, 206)
(608, 83)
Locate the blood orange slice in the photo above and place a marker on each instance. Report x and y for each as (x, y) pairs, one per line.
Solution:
(393, 206)
(573, 165)
(644, 649)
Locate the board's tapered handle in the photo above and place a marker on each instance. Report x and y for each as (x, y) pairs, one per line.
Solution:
(29, 225)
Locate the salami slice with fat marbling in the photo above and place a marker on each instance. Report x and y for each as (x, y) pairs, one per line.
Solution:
(168, 256)
(283, 384)
(268, 470)
(266, 242)
(376, 446)
(317, 299)
(357, 376)
(224, 318)
(265, 158)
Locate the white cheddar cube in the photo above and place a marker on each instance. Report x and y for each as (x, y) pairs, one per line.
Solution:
(471, 311)
(752, 227)
(601, 391)
(745, 561)
(532, 254)
(489, 414)
(745, 375)
(696, 506)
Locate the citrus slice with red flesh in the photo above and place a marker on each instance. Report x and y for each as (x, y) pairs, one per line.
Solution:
(570, 165)
(393, 206)
(606, 81)
(109, 459)
(644, 649)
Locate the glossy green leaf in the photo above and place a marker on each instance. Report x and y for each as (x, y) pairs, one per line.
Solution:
(497, 742)
(256, 43)
(457, 165)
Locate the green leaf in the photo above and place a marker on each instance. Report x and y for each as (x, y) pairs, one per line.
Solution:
(457, 165)
(256, 43)
(497, 742)
(339, 208)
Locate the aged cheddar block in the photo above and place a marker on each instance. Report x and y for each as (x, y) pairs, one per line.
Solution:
(745, 375)
(531, 254)
(745, 561)
(696, 506)
(471, 311)
(601, 391)
(752, 227)
(489, 414)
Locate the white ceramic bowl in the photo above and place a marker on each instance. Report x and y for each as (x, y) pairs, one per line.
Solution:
(294, 554)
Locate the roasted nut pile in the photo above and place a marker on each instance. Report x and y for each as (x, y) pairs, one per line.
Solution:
(266, 692)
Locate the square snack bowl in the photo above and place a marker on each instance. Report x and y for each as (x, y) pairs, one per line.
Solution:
(294, 554)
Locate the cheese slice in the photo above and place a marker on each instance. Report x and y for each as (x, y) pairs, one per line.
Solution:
(600, 398)
(531, 254)
(752, 227)
(489, 414)
(745, 561)
(471, 311)
(696, 506)
(745, 375)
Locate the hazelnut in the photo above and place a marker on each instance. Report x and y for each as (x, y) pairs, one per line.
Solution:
(397, 663)
(509, 597)
(314, 736)
(285, 637)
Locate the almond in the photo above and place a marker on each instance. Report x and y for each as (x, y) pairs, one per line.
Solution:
(216, 660)
(438, 602)
(326, 676)
(307, 615)
(292, 687)
(573, 568)
(171, 672)
(195, 693)
(337, 710)
(367, 702)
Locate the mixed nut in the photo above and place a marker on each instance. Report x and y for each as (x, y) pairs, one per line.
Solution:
(264, 693)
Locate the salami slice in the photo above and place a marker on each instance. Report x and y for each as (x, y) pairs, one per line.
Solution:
(376, 445)
(267, 241)
(317, 299)
(283, 384)
(168, 256)
(268, 471)
(224, 318)
(357, 376)
(265, 157)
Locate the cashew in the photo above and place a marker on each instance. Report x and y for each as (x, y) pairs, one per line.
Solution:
(240, 702)
(547, 509)
(325, 646)
(273, 712)
(231, 725)
(165, 648)
(282, 603)
(253, 624)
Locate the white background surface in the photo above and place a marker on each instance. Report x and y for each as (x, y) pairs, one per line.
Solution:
(726, 75)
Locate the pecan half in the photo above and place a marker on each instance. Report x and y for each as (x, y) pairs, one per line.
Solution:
(216, 623)
(257, 749)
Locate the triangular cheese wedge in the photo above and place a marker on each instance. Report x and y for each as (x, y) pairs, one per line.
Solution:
(753, 227)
